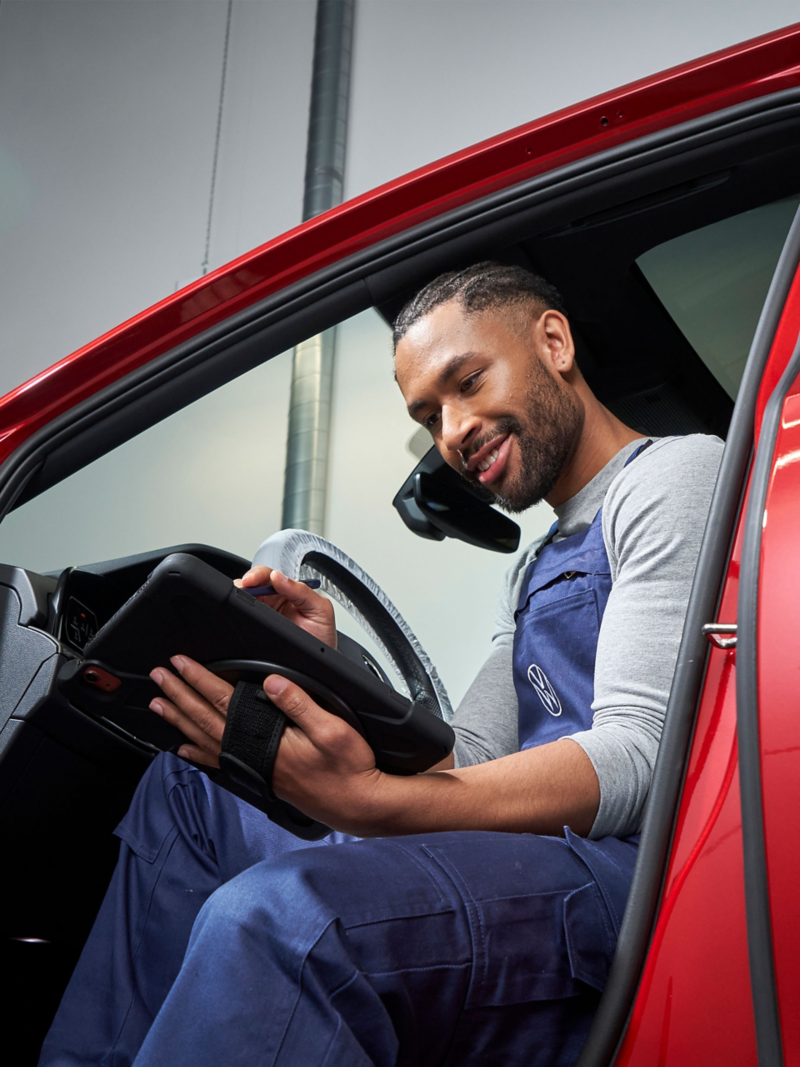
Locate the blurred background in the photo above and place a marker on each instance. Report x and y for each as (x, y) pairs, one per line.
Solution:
(145, 142)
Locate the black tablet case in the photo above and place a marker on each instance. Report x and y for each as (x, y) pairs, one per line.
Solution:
(186, 607)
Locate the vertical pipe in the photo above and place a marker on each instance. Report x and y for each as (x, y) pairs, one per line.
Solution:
(305, 480)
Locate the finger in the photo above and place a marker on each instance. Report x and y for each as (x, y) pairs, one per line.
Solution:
(298, 593)
(197, 755)
(215, 690)
(187, 724)
(263, 576)
(259, 575)
(191, 704)
(298, 706)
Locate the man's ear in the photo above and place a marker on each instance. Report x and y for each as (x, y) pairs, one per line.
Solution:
(554, 341)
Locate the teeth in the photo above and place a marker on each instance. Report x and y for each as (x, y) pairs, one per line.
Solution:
(486, 464)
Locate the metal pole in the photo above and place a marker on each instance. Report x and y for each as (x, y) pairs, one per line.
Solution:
(305, 480)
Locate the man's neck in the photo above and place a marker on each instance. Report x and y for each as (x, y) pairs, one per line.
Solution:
(602, 436)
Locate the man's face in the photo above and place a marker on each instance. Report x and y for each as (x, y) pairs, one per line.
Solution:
(486, 387)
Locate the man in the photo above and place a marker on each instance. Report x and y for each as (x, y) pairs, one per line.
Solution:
(477, 921)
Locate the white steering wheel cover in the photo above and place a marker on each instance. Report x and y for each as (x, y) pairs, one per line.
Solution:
(286, 551)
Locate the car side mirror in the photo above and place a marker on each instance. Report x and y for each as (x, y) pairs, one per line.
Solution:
(436, 502)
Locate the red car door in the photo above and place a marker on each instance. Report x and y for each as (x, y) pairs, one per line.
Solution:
(768, 685)
(719, 984)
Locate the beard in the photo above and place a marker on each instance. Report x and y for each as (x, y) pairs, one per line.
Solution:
(547, 436)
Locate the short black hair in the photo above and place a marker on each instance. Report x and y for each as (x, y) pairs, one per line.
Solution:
(479, 288)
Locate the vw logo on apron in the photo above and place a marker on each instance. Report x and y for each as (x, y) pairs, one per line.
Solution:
(544, 690)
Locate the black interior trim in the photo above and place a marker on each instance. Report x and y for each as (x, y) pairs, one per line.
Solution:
(642, 203)
(381, 274)
(547, 204)
(759, 922)
(609, 1025)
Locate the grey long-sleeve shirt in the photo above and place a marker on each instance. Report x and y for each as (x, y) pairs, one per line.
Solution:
(654, 514)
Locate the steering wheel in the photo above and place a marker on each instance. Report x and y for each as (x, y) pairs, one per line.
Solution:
(299, 554)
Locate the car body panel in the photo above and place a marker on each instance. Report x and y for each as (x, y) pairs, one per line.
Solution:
(755, 68)
(699, 945)
(779, 722)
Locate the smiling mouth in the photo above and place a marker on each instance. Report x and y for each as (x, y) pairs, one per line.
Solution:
(484, 465)
(491, 464)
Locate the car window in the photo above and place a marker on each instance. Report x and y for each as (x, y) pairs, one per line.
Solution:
(211, 473)
(713, 282)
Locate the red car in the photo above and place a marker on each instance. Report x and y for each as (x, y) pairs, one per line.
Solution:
(665, 212)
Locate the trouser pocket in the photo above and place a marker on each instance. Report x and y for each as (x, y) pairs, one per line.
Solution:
(540, 926)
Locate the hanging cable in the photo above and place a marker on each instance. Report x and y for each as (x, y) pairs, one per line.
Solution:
(219, 130)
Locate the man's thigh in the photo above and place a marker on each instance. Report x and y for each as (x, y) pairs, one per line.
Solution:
(454, 947)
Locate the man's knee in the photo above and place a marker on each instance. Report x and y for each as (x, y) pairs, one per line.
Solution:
(274, 900)
(285, 904)
(294, 898)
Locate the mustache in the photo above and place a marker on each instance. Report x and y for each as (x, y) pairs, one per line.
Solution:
(506, 425)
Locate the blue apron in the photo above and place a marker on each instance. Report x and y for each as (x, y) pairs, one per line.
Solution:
(558, 618)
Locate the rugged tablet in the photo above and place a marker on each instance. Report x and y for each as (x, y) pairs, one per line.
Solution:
(186, 607)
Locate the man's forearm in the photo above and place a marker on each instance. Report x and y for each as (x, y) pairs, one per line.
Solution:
(538, 791)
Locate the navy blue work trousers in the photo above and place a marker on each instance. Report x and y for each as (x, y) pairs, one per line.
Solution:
(225, 940)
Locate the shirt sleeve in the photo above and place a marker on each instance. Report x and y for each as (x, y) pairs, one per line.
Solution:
(654, 515)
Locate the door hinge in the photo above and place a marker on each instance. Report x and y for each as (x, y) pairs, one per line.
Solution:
(715, 632)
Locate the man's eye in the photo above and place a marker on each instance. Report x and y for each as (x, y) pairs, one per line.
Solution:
(470, 382)
(431, 422)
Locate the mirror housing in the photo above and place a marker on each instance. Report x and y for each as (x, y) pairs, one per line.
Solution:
(435, 502)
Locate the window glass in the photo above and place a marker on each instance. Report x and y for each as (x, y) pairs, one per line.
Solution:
(713, 282)
(211, 474)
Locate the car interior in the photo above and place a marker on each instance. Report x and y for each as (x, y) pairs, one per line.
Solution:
(663, 250)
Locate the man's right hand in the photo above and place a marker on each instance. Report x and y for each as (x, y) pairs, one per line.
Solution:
(295, 601)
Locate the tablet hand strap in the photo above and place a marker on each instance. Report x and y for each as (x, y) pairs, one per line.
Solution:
(253, 732)
(250, 742)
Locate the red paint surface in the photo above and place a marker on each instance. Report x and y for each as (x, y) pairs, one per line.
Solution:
(694, 1002)
(779, 697)
(782, 348)
(744, 72)
(693, 1005)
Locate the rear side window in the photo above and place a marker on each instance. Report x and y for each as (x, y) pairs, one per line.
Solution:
(713, 282)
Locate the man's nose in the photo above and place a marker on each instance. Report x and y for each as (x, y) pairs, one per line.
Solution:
(459, 427)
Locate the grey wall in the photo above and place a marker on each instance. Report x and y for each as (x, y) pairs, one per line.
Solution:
(108, 119)
(433, 76)
(108, 115)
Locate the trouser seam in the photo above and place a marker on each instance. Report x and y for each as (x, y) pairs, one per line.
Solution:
(299, 993)
(474, 922)
(173, 834)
